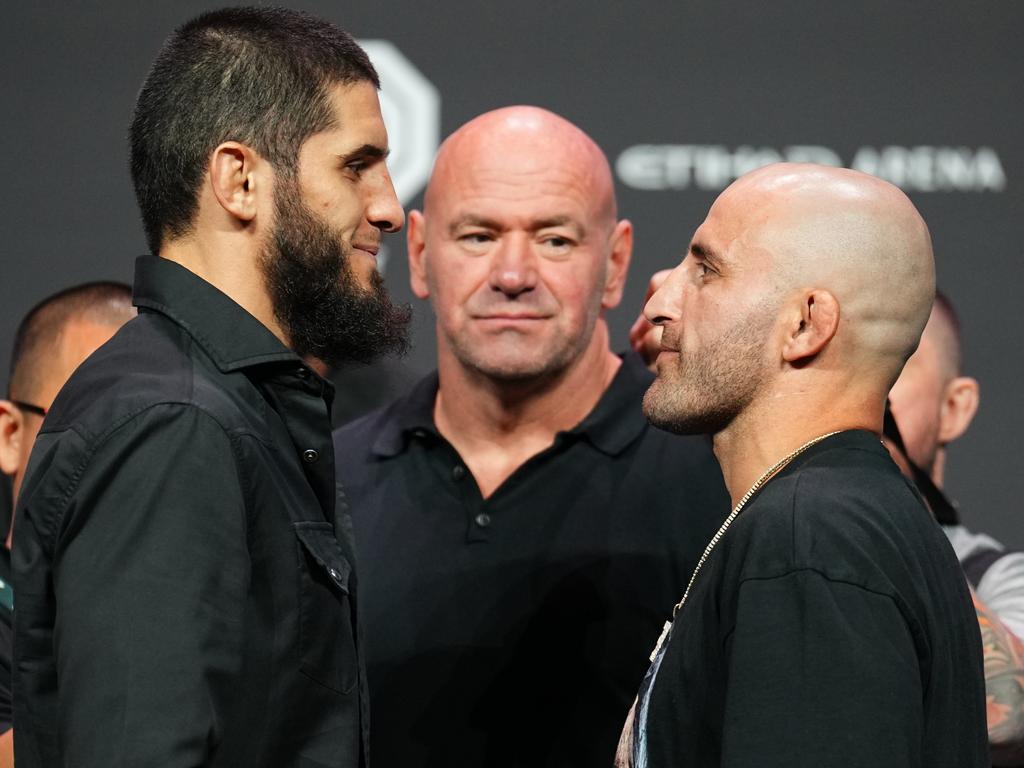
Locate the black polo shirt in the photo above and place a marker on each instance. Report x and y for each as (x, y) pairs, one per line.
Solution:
(184, 573)
(515, 630)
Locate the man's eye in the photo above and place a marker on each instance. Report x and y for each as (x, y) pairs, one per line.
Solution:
(357, 167)
(703, 270)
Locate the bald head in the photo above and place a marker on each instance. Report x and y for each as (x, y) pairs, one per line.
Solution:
(518, 248)
(853, 235)
(519, 143)
(806, 287)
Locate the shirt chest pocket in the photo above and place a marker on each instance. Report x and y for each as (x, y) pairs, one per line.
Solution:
(327, 645)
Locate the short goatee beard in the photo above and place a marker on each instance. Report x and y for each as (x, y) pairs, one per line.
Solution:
(703, 393)
(323, 311)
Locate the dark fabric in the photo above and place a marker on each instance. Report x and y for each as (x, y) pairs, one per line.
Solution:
(944, 510)
(184, 576)
(977, 563)
(514, 631)
(6, 638)
(831, 626)
(6, 503)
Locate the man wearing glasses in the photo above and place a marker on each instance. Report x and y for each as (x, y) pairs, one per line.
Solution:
(52, 340)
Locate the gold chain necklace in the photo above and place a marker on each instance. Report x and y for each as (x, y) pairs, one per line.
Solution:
(768, 475)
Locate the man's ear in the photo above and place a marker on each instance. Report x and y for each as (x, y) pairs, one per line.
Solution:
(238, 179)
(416, 241)
(12, 429)
(959, 404)
(620, 253)
(812, 328)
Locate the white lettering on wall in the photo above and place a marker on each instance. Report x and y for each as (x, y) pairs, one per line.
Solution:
(714, 167)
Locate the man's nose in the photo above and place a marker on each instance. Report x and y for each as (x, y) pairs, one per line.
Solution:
(666, 304)
(383, 209)
(513, 266)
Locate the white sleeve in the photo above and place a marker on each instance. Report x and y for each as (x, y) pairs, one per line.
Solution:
(1002, 590)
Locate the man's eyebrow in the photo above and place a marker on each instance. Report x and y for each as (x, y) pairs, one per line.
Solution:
(366, 151)
(559, 221)
(704, 253)
(472, 220)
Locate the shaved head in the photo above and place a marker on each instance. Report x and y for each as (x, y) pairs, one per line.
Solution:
(525, 140)
(854, 235)
(830, 276)
(49, 340)
(53, 339)
(518, 247)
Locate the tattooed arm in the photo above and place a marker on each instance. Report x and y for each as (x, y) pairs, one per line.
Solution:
(1004, 686)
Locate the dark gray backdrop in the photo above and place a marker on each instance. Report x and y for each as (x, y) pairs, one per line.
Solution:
(735, 79)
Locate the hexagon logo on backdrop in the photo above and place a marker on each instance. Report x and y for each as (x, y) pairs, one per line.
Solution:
(411, 107)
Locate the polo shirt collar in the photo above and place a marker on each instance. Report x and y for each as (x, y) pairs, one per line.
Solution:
(614, 423)
(618, 418)
(232, 337)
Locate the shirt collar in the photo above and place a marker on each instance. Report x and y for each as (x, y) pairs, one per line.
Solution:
(614, 423)
(231, 336)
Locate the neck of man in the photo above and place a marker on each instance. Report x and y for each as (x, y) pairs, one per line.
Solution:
(780, 421)
(938, 470)
(497, 426)
(230, 267)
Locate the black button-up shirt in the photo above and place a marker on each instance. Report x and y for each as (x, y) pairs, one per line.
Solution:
(515, 630)
(183, 567)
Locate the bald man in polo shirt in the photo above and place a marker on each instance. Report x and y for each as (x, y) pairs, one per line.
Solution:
(522, 531)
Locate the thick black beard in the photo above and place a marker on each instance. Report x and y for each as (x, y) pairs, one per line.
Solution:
(323, 311)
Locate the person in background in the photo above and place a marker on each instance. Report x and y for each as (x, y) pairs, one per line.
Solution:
(51, 341)
(183, 568)
(933, 404)
(828, 623)
(522, 531)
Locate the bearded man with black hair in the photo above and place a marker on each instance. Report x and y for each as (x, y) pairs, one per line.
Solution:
(184, 569)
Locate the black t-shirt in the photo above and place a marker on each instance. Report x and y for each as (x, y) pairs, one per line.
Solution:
(831, 626)
(514, 631)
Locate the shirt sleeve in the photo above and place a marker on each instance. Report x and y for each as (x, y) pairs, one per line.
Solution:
(149, 575)
(1002, 590)
(821, 673)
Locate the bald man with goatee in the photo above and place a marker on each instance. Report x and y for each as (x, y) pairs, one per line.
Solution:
(522, 530)
(828, 623)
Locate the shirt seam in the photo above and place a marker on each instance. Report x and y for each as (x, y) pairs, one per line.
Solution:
(99, 440)
(809, 569)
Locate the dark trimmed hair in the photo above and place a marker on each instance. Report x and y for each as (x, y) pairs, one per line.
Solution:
(952, 345)
(104, 302)
(259, 76)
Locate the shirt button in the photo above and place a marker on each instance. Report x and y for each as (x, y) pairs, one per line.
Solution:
(458, 472)
(310, 456)
(334, 574)
(302, 373)
(483, 520)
